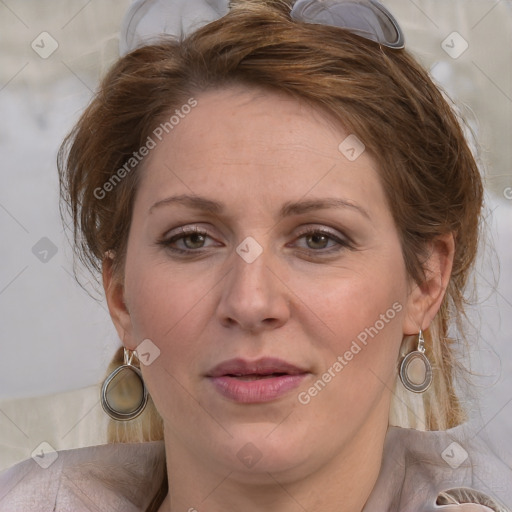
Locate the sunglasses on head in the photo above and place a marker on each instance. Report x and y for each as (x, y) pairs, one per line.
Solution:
(146, 19)
(365, 18)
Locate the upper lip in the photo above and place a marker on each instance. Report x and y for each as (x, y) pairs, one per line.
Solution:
(264, 366)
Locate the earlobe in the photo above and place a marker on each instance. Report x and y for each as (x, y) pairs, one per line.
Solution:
(114, 293)
(425, 298)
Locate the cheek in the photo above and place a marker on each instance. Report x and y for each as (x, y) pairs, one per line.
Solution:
(358, 320)
(354, 303)
(169, 306)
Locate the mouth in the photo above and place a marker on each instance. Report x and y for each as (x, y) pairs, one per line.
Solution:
(258, 381)
(256, 376)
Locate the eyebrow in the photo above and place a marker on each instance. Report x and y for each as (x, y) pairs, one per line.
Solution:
(288, 209)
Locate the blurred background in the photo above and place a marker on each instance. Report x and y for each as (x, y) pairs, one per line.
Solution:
(57, 341)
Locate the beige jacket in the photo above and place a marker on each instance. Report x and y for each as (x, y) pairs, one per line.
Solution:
(417, 467)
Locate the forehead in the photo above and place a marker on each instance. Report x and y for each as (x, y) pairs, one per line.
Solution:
(241, 117)
(255, 141)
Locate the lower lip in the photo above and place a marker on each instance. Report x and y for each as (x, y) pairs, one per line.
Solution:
(258, 390)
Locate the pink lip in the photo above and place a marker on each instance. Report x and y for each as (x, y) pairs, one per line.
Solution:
(230, 379)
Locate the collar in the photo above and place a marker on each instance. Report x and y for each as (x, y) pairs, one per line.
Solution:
(419, 465)
(416, 467)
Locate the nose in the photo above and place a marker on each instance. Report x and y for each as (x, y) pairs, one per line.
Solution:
(253, 297)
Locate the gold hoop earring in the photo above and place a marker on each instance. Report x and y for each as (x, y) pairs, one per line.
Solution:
(123, 394)
(415, 369)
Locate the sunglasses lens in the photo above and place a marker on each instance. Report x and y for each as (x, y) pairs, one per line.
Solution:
(365, 18)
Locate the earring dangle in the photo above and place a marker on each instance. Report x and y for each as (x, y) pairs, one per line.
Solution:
(415, 369)
(123, 394)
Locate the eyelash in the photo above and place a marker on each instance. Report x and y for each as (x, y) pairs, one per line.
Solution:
(186, 232)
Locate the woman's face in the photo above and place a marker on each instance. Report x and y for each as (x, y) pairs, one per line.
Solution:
(264, 264)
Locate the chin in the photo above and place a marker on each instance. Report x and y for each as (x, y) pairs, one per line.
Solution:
(257, 450)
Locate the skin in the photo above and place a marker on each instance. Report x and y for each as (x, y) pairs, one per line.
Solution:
(304, 300)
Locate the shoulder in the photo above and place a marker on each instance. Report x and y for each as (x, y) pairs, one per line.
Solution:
(451, 470)
(81, 479)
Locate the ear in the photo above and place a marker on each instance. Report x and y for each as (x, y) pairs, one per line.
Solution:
(425, 298)
(114, 293)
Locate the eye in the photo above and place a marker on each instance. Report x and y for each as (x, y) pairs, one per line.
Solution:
(317, 240)
(190, 240)
(187, 240)
(321, 241)
(193, 241)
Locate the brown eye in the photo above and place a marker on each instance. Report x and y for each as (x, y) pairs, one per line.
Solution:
(188, 241)
(194, 241)
(317, 241)
(320, 241)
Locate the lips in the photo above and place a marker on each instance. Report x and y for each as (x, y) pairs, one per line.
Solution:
(262, 367)
(255, 381)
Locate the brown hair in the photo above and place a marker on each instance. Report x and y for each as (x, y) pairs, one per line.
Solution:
(383, 96)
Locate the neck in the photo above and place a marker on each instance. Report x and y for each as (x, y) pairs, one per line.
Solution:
(342, 484)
